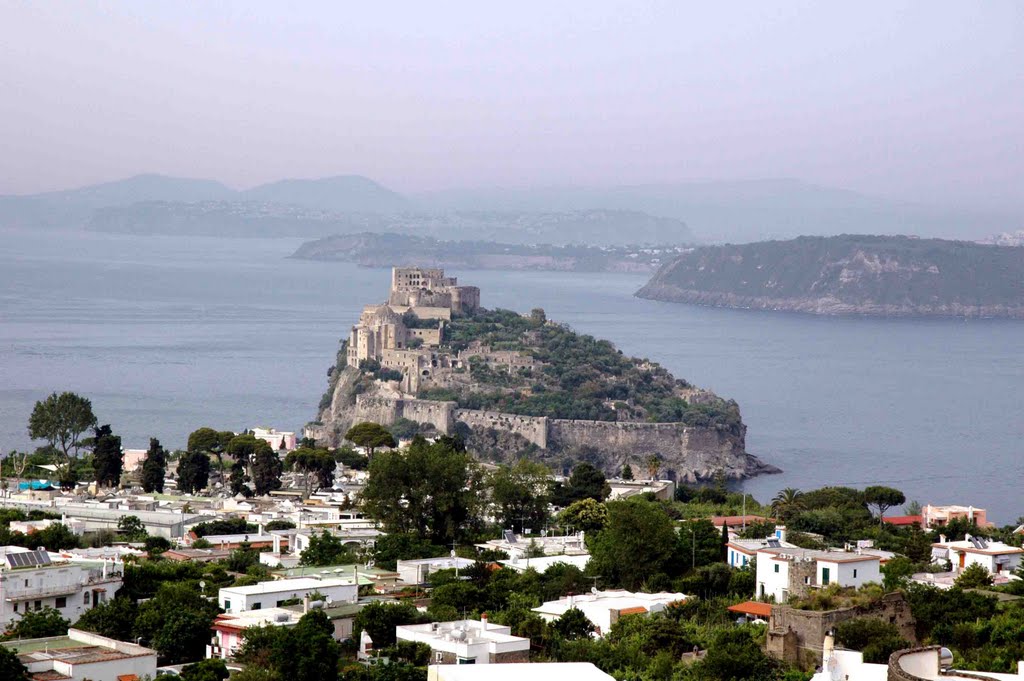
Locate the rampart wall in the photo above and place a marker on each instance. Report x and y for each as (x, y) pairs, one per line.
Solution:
(534, 428)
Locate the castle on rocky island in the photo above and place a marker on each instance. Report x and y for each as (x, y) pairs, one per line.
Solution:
(398, 348)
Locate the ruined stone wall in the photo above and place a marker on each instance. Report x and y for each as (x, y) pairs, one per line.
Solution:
(806, 629)
(441, 415)
(532, 428)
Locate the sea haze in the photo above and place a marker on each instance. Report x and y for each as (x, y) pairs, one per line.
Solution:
(166, 334)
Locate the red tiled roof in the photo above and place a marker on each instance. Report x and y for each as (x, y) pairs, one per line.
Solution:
(762, 610)
(904, 520)
(127, 677)
(638, 610)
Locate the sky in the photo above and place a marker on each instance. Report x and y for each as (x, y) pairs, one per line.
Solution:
(921, 101)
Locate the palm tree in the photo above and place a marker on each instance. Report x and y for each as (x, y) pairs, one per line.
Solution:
(787, 503)
(653, 465)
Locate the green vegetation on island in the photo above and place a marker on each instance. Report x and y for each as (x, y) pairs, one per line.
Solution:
(850, 274)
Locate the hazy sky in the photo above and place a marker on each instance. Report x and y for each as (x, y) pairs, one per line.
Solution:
(921, 100)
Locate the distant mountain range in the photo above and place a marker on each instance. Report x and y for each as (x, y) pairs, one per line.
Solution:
(850, 274)
(715, 211)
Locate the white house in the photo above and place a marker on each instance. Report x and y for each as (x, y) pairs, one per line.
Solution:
(32, 580)
(534, 671)
(784, 572)
(468, 641)
(85, 656)
(416, 571)
(995, 556)
(604, 608)
(238, 599)
(542, 563)
(740, 552)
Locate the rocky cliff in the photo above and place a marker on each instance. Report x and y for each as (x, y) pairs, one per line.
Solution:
(849, 274)
(548, 400)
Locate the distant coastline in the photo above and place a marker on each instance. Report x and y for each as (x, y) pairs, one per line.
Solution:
(385, 250)
(850, 275)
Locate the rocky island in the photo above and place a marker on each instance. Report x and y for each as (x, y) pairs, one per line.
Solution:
(894, 276)
(382, 250)
(432, 360)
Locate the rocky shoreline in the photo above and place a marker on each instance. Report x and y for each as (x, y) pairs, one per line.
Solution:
(825, 306)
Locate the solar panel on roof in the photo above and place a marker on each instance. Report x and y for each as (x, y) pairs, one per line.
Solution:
(510, 536)
(774, 544)
(28, 558)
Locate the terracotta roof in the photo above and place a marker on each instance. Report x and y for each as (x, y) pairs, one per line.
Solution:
(904, 520)
(127, 677)
(49, 675)
(638, 610)
(762, 610)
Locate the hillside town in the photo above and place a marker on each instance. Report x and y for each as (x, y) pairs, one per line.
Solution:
(387, 550)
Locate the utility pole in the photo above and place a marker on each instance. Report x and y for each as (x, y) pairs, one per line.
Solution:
(744, 511)
(693, 549)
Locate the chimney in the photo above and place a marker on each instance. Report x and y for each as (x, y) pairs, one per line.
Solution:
(305, 604)
(942, 539)
(483, 621)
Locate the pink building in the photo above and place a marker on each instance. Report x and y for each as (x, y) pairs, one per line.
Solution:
(940, 516)
(133, 459)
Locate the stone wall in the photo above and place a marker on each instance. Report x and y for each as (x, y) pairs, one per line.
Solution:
(797, 636)
(532, 428)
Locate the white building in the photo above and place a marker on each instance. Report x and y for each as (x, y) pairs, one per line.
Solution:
(517, 546)
(228, 629)
(85, 656)
(534, 671)
(740, 552)
(784, 572)
(238, 599)
(467, 642)
(417, 570)
(925, 664)
(995, 556)
(604, 608)
(32, 580)
(542, 563)
(275, 438)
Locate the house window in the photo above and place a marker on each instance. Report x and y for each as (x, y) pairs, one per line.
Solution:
(39, 605)
(466, 660)
(227, 605)
(257, 606)
(85, 598)
(776, 567)
(15, 606)
(61, 602)
(825, 573)
(854, 573)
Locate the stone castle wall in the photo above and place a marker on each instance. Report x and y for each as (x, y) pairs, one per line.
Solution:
(534, 428)
(686, 453)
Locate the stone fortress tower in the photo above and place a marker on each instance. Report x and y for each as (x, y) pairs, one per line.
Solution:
(382, 334)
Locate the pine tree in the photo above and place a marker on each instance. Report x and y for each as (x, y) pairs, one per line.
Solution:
(193, 472)
(154, 468)
(106, 457)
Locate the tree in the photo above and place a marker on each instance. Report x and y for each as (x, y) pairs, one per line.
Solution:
(370, 436)
(700, 543)
(883, 498)
(585, 481)
(585, 515)
(974, 576)
(132, 528)
(653, 464)
(380, 619)
(11, 666)
(39, 624)
(735, 654)
(627, 472)
(154, 468)
(193, 472)
(573, 624)
(315, 464)
(787, 503)
(266, 470)
(156, 545)
(875, 638)
(106, 457)
(325, 549)
(114, 618)
(176, 622)
(205, 670)
(429, 489)
(61, 420)
(210, 442)
(520, 493)
(638, 543)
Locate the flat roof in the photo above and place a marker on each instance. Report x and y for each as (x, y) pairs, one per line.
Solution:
(517, 671)
(283, 585)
